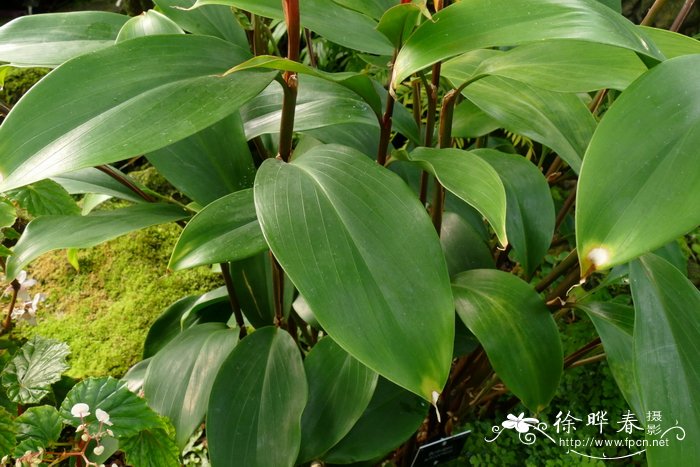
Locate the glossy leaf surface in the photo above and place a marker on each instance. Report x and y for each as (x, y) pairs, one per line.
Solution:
(463, 246)
(466, 26)
(666, 346)
(225, 230)
(56, 232)
(151, 448)
(195, 357)
(648, 143)
(471, 179)
(328, 218)
(340, 388)
(37, 428)
(149, 23)
(7, 433)
(211, 20)
(68, 121)
(516, 329)
(51, 39)
(255, 408)
(91, 180)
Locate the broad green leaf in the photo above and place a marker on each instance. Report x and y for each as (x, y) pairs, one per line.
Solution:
(530, 210)
(327, 18)
(209, 164)
(8, 213)
(122, 101)
(44, 198)
(642, 168)
(39, 363)
(666, 347)
(469, 121)
(517, 331)
(252, 280)
(615, 323)
(566, 66)
(331, 218)
(8, 431)
(615, 5)
(672, 44)
(372, 8)
(320, 103)
(185, 313)
(497, 23)
(340, 388)
(128, 413)
(135, 376)
(95, 181)
(225, 230)
(149, 23)
(37, 427)
(398, 22)
(212, 20)
(463, 246)
(57, 232)
(471, 179)
(51, 39)
(195, 356)
(90, 202)
(392, 416)
(359, 83)
(151, 448)
(255, 406)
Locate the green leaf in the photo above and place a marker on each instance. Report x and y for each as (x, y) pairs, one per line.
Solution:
(340, 388)
(151, 448)
(615, 323)
(57, 232)
(530, 213)
(149, 23)
(209, 164)
(255, 406)
(666, 339)
(195, 356)
(212, 306)
(463, 246)
(8, 213)
(513, 23)
(123, 101)
(469, 178)
(225, 230)
(94, 181)
(50, 39)
(392, 416)
(45, 198)
(372, 8)
(252, 280)
(8, 431)
(649, 136)
(128, 413)
(672, 44)
(517, 331)
(566, 66)
(398, 22)
(335, 209)
(212, 20)
(39, 363)
(37, 427)
(327, 18)
(469, 121)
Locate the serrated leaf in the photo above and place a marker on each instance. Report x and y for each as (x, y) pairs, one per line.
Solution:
(340, 388)
(8, 431)
(45, 198)
(50, 39)
(37, 427)
(128, 413)
(151, 448)
(195, 356)
(255, 406)
(334, 208)
(69, 121)
(57, 232)
(647, 144)
(516, 330)
(666, 346)
(225, 230)
(38, 364)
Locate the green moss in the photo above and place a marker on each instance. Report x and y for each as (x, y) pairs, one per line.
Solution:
(105, 310)
(18, 81)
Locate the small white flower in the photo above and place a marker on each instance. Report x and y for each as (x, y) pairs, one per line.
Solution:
(80, 428)
(24, 284)
(98, 450)
(110, 432)
(103, 417)
(522, 425)
(80, 410)
(24, 313)
(85, 437)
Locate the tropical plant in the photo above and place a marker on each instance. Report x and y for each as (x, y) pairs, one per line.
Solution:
(357, 313)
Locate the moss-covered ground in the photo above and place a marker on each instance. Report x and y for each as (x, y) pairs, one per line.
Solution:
(104, 310)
